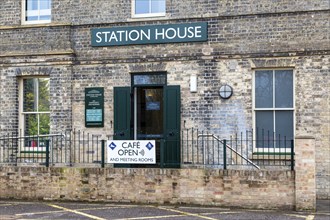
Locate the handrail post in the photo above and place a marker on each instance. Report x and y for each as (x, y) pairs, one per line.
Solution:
(292, 155)
(47, 154)
(224, 154)
(162, 159)
(103, 153)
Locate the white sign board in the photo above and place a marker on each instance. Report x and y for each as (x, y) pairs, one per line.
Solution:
(131, 151)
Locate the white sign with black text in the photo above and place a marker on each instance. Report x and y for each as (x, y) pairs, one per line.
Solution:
(131, 151)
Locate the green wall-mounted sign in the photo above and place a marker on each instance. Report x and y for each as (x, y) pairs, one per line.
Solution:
(151, 34)
(94, 107)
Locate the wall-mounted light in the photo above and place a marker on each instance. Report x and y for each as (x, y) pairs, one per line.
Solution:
(193, 83)
(225, 91)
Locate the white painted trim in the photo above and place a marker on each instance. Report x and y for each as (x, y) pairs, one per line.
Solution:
(147, 15)
(21, 120)
(37, 12)
(135, 113)
(254, 110)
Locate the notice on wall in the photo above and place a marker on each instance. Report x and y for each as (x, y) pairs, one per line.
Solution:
(131, 151)
(153, 106)
(94, 107)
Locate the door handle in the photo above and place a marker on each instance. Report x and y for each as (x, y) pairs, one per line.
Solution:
(120, 134)
(171, 134)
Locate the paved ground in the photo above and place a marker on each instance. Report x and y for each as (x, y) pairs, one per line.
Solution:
(86, 211)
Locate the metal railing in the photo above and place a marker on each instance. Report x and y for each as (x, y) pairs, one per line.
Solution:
(226, 146)
(241, 150)
(65, 149)
(197, 149)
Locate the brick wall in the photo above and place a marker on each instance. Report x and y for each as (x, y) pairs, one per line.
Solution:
(10, 12)
(9, 103)
(248, 189)
(305, 173)
(104, 11)
(243, 36)
(203, 109)
(35, 40)
(263, 189)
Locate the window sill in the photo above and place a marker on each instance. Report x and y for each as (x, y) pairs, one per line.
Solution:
(36, 22)
(33, 152)
(32, 155)
(39, 25)
(148, 18)
(271, 156)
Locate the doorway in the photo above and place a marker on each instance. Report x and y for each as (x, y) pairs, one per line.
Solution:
(148, 115)
(150, 110)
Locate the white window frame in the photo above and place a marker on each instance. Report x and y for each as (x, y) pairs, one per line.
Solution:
(147, 15)
(22, 117)
(38, 13)
(275, 149)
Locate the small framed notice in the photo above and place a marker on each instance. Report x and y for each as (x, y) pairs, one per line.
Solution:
(94, 107)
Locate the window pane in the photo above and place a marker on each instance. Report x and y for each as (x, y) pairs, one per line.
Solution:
(284, 128)
(153, 79)
(37, 10)
(31, 125)
(157, 6)
(45, 17)
(44, 124)
(30, 95)
(264, 89)
(32, 18)
(283, 89)
(142, 6)
(44, 12)
(44, 94)
(44, 4)
(264, 129)
(32, 5)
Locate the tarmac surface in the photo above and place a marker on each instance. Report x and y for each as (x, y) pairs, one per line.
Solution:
(10, 210)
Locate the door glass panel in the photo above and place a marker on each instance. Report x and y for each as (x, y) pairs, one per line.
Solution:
(149, 113)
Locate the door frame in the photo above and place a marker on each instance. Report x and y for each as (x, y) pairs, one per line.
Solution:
(167, 142)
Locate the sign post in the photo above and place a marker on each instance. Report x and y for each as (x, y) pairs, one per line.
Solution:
(131, 151)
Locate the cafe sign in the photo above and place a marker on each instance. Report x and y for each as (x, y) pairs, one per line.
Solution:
(131, 151)
(151, 34)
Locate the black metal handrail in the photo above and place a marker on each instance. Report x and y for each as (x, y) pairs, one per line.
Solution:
(224, 143)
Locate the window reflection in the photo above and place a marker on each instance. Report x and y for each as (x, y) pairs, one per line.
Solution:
(145, 7)
(36, 106)
(149, 112)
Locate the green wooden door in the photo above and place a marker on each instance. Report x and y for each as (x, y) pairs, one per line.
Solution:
(122, 116)
(171, 153)
(122, 113)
